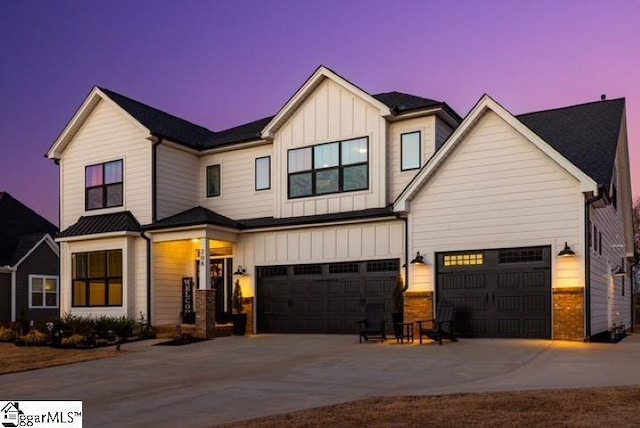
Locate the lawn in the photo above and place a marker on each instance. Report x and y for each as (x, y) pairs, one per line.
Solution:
(591, 407)
(21, 358)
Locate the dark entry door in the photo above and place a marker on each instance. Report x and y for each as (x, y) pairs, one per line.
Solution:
(498, 293)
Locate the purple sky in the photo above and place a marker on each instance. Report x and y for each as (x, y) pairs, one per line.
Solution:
(223, 63)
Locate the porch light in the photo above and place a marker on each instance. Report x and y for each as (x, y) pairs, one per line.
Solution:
(566, 251)
(418, 260)
(240, 271)
(618, 271)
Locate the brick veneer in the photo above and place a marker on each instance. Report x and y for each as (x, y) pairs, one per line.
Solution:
(568, 313)
(205, 313)
(247, 306)
(418, 305)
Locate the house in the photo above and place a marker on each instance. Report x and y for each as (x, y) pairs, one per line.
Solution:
(524, 222)
(29, 264)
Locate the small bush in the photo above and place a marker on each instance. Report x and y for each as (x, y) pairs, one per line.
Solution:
(35, 338)
(76, 339)
(6, 335)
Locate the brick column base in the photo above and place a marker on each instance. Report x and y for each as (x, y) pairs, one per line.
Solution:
(205, 314)
(418, 305)
(247, 306)
(568, 313)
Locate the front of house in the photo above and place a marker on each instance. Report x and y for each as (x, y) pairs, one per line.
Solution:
(318, 209)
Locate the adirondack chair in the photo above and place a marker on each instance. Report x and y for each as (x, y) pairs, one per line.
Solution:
(373, 325)
(440, 327)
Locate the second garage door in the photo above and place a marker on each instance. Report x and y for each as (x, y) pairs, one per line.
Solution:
(498, 293)
(322, 298)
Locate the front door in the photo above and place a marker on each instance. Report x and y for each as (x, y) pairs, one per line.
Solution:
(221, 281)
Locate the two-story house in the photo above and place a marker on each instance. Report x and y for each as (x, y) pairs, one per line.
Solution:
(524, 222)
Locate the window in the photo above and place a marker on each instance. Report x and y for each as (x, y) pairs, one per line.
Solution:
(97, 278)
(213, 180)
(520, 255)
(263, 173)
(464, 259)
(341, 166)
(43, 291)
(410, 151)
(103, 185)
(595, 238)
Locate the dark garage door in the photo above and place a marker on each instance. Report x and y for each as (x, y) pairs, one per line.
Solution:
(498, 293)
(322, 298)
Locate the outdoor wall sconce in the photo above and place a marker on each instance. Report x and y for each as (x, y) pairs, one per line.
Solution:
(618, 271)
(240, 271)
(566, 251)
(418, 260)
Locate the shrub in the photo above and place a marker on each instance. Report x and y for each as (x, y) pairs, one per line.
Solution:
(35, 338)
(76, 339)
(6, 335)
(237, 297)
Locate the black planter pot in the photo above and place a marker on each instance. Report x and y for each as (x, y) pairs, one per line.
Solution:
(239, 324)
(398, 319)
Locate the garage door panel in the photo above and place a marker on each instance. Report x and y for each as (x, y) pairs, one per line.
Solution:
(532, 303)
(474, 281)
(508, 280)
(535, 279)
(508, 303)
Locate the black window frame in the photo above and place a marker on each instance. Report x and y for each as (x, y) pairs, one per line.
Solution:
(402, 168)
(219, 167)
(86, 280)
(256, 174)
(340, 167)
(104, 186)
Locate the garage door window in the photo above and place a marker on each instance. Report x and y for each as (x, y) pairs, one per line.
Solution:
(475, 259)
(520, 255)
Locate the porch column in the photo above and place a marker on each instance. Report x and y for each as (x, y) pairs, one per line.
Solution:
(205, 296)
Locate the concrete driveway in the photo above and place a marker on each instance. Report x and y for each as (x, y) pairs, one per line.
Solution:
(236, 378)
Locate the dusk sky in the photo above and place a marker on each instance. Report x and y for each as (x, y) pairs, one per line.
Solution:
(224, 63)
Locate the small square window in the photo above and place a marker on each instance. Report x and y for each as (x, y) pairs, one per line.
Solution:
(410, 150)
(213, 180)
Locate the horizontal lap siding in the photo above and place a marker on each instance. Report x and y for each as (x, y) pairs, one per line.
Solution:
(497, 190)
(238, 198)
(171, 262)
(331, 113)
(105, 136)
(176, 181)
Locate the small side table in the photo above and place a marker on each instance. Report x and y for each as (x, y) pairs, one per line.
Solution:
(406, 332)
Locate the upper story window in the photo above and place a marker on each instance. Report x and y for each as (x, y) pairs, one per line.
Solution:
(410, 151)
(213, 180)
(97, 278)
(341, 166)
(263, 173)
(103, 185)
(43, 291)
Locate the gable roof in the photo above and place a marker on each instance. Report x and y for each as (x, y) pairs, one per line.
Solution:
(586, 134)
(486, 103)
(18, 226)
(243, 133)
(192, 217)
(103, 223)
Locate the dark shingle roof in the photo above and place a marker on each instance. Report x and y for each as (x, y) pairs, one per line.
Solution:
(238, 134)
(103, 223)
(25, 244)
(161, 123)
(585, 134)
(16, 222)
(402, 103)
(192, 217)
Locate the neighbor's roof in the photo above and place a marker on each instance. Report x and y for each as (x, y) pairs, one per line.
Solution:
(19, 225)
(585, 134)
(103, 223)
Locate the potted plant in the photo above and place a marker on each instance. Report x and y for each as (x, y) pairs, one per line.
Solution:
(239, 319)
(397, 315)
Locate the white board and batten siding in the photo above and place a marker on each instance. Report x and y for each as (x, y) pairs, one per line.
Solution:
(238, 198)
(354, 242)
(331, 113)
(133, 279)
(176, 180)
(497, 190)
(107, 135)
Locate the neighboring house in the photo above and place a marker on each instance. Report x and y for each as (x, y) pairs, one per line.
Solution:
(29, 264)
(323, 205)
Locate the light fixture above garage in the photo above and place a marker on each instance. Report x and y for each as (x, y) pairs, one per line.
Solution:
(566, 251)
(618, 271)
(418, 260)
(240, 271)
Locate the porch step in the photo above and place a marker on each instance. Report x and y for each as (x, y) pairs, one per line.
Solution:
(223, 330)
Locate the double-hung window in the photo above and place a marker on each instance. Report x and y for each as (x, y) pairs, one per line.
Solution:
(103, 185)
(341, 166)
(410, 151)
(97, 278)
(43, 291)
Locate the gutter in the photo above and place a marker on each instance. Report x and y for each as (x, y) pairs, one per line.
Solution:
(587, 265)
(146, 238)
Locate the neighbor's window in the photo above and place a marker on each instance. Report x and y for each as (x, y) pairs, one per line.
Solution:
(263, 173)
(97, 278)
(213, 180)
(341, 166)
(410, 150)
(43, 291)
(103, 185)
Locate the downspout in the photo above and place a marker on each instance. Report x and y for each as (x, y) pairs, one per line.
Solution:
(587, 265)
(146, 238)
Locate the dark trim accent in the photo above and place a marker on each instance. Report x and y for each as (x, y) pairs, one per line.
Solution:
(154, 178)
(587, 266)
(213, 195)
(148, 239)
(256, 174)
(419, 151)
